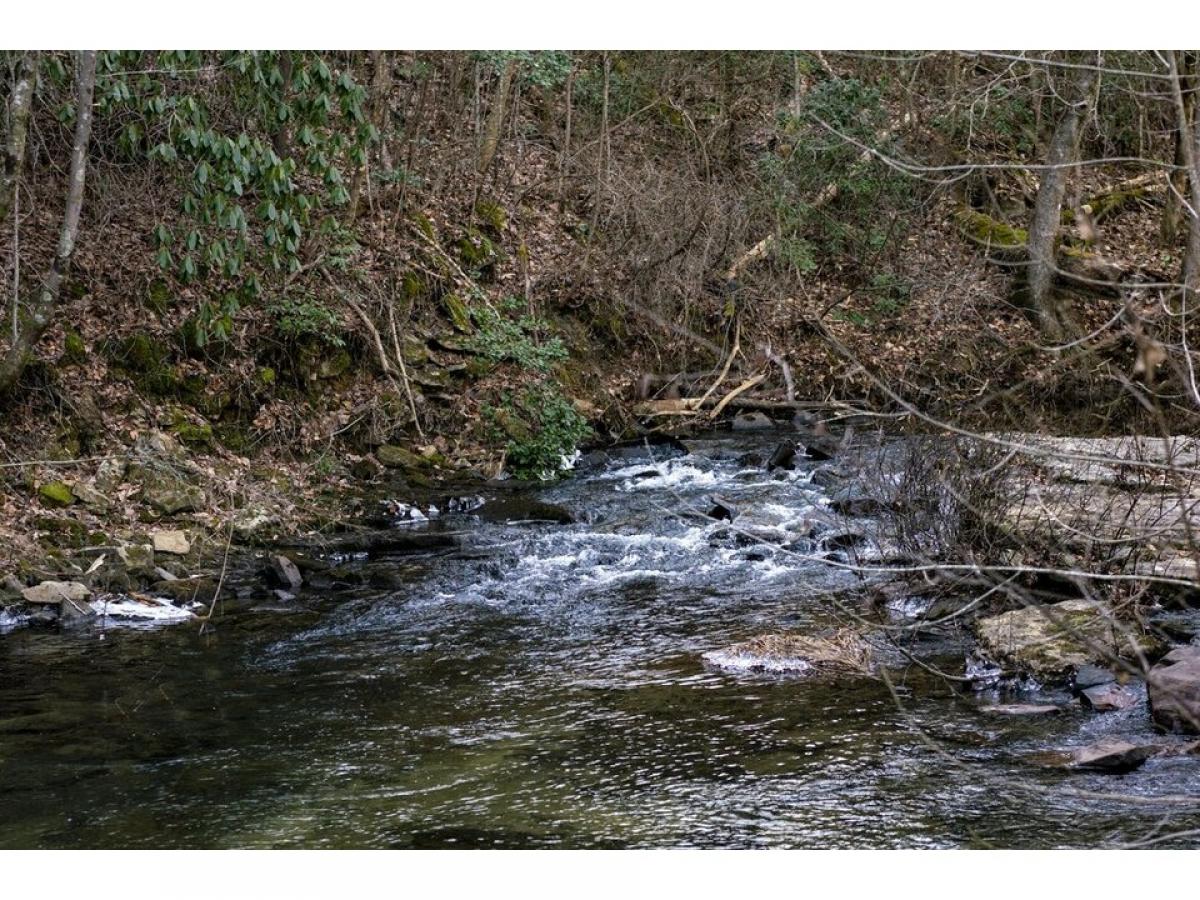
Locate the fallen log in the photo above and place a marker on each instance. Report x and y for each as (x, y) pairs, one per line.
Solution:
(688, 406)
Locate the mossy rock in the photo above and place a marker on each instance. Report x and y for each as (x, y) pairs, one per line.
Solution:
(138, 353)
(74, 349)
(513, 425)
(335, 364)
(194, 434)
(456, 309)
(478, 367)
(158, 298)
(395, 457)
(168, 497)
(56, 493)
(438, 379)
(478, 252)
(493, 216)
(414, 351)
(64, 531)
(235, 436)
(412, 286)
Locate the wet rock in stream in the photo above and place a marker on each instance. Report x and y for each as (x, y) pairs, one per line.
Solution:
(1174, 689)
(1052, 641)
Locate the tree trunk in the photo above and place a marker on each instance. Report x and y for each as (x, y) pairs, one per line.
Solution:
(602, 159)
(495, 118)
(281, 137)
(1185, 100)
(1190, 151)
(565, 157)
(1047, 212)
(19, 104)
(38, 317)
(381, 86)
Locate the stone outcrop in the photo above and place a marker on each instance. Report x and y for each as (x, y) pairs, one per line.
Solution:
(1174, 689)
(1053, 640)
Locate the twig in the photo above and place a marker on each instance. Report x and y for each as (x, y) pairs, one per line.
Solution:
(220, 580)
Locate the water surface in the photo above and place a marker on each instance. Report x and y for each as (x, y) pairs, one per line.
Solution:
(544, 686)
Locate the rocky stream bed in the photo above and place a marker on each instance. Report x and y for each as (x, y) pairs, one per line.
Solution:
(702, 643)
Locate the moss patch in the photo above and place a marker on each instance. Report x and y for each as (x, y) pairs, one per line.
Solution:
(56, 493)
(74, 349)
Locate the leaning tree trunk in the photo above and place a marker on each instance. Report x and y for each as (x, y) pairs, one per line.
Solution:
(1047, 213)
(38, 316)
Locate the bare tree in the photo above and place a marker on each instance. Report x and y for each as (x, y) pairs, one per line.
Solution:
(30, 330)
(495, 118)
(1047, 211)
(19, 104)
(1189, 153)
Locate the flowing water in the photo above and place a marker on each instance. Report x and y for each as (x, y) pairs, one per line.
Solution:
(545, 685)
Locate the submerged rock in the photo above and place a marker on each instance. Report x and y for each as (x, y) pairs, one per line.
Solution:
(842, 652)
(1111, 697)
(1174, 689)
(1052, 641)
(1021, 709)
(1111, 755)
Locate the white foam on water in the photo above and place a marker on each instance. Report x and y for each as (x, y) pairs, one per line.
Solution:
(9, 621)
(120, 610)
(669, 475)
(748, 662)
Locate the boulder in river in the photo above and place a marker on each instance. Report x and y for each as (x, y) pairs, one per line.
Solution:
(821, 447)
(1111, 755)
(752, 421)
(1174, 688)
(784, 457)
(1051, 641)
(842, 652)
(286, 572)
(856, 502)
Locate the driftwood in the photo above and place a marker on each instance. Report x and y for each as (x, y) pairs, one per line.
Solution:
(689, 406)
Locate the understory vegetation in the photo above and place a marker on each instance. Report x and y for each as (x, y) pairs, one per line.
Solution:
(293, 259)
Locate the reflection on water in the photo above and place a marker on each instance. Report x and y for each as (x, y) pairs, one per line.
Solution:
(543, 688)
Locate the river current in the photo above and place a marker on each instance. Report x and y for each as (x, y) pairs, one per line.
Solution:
(545, 684)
